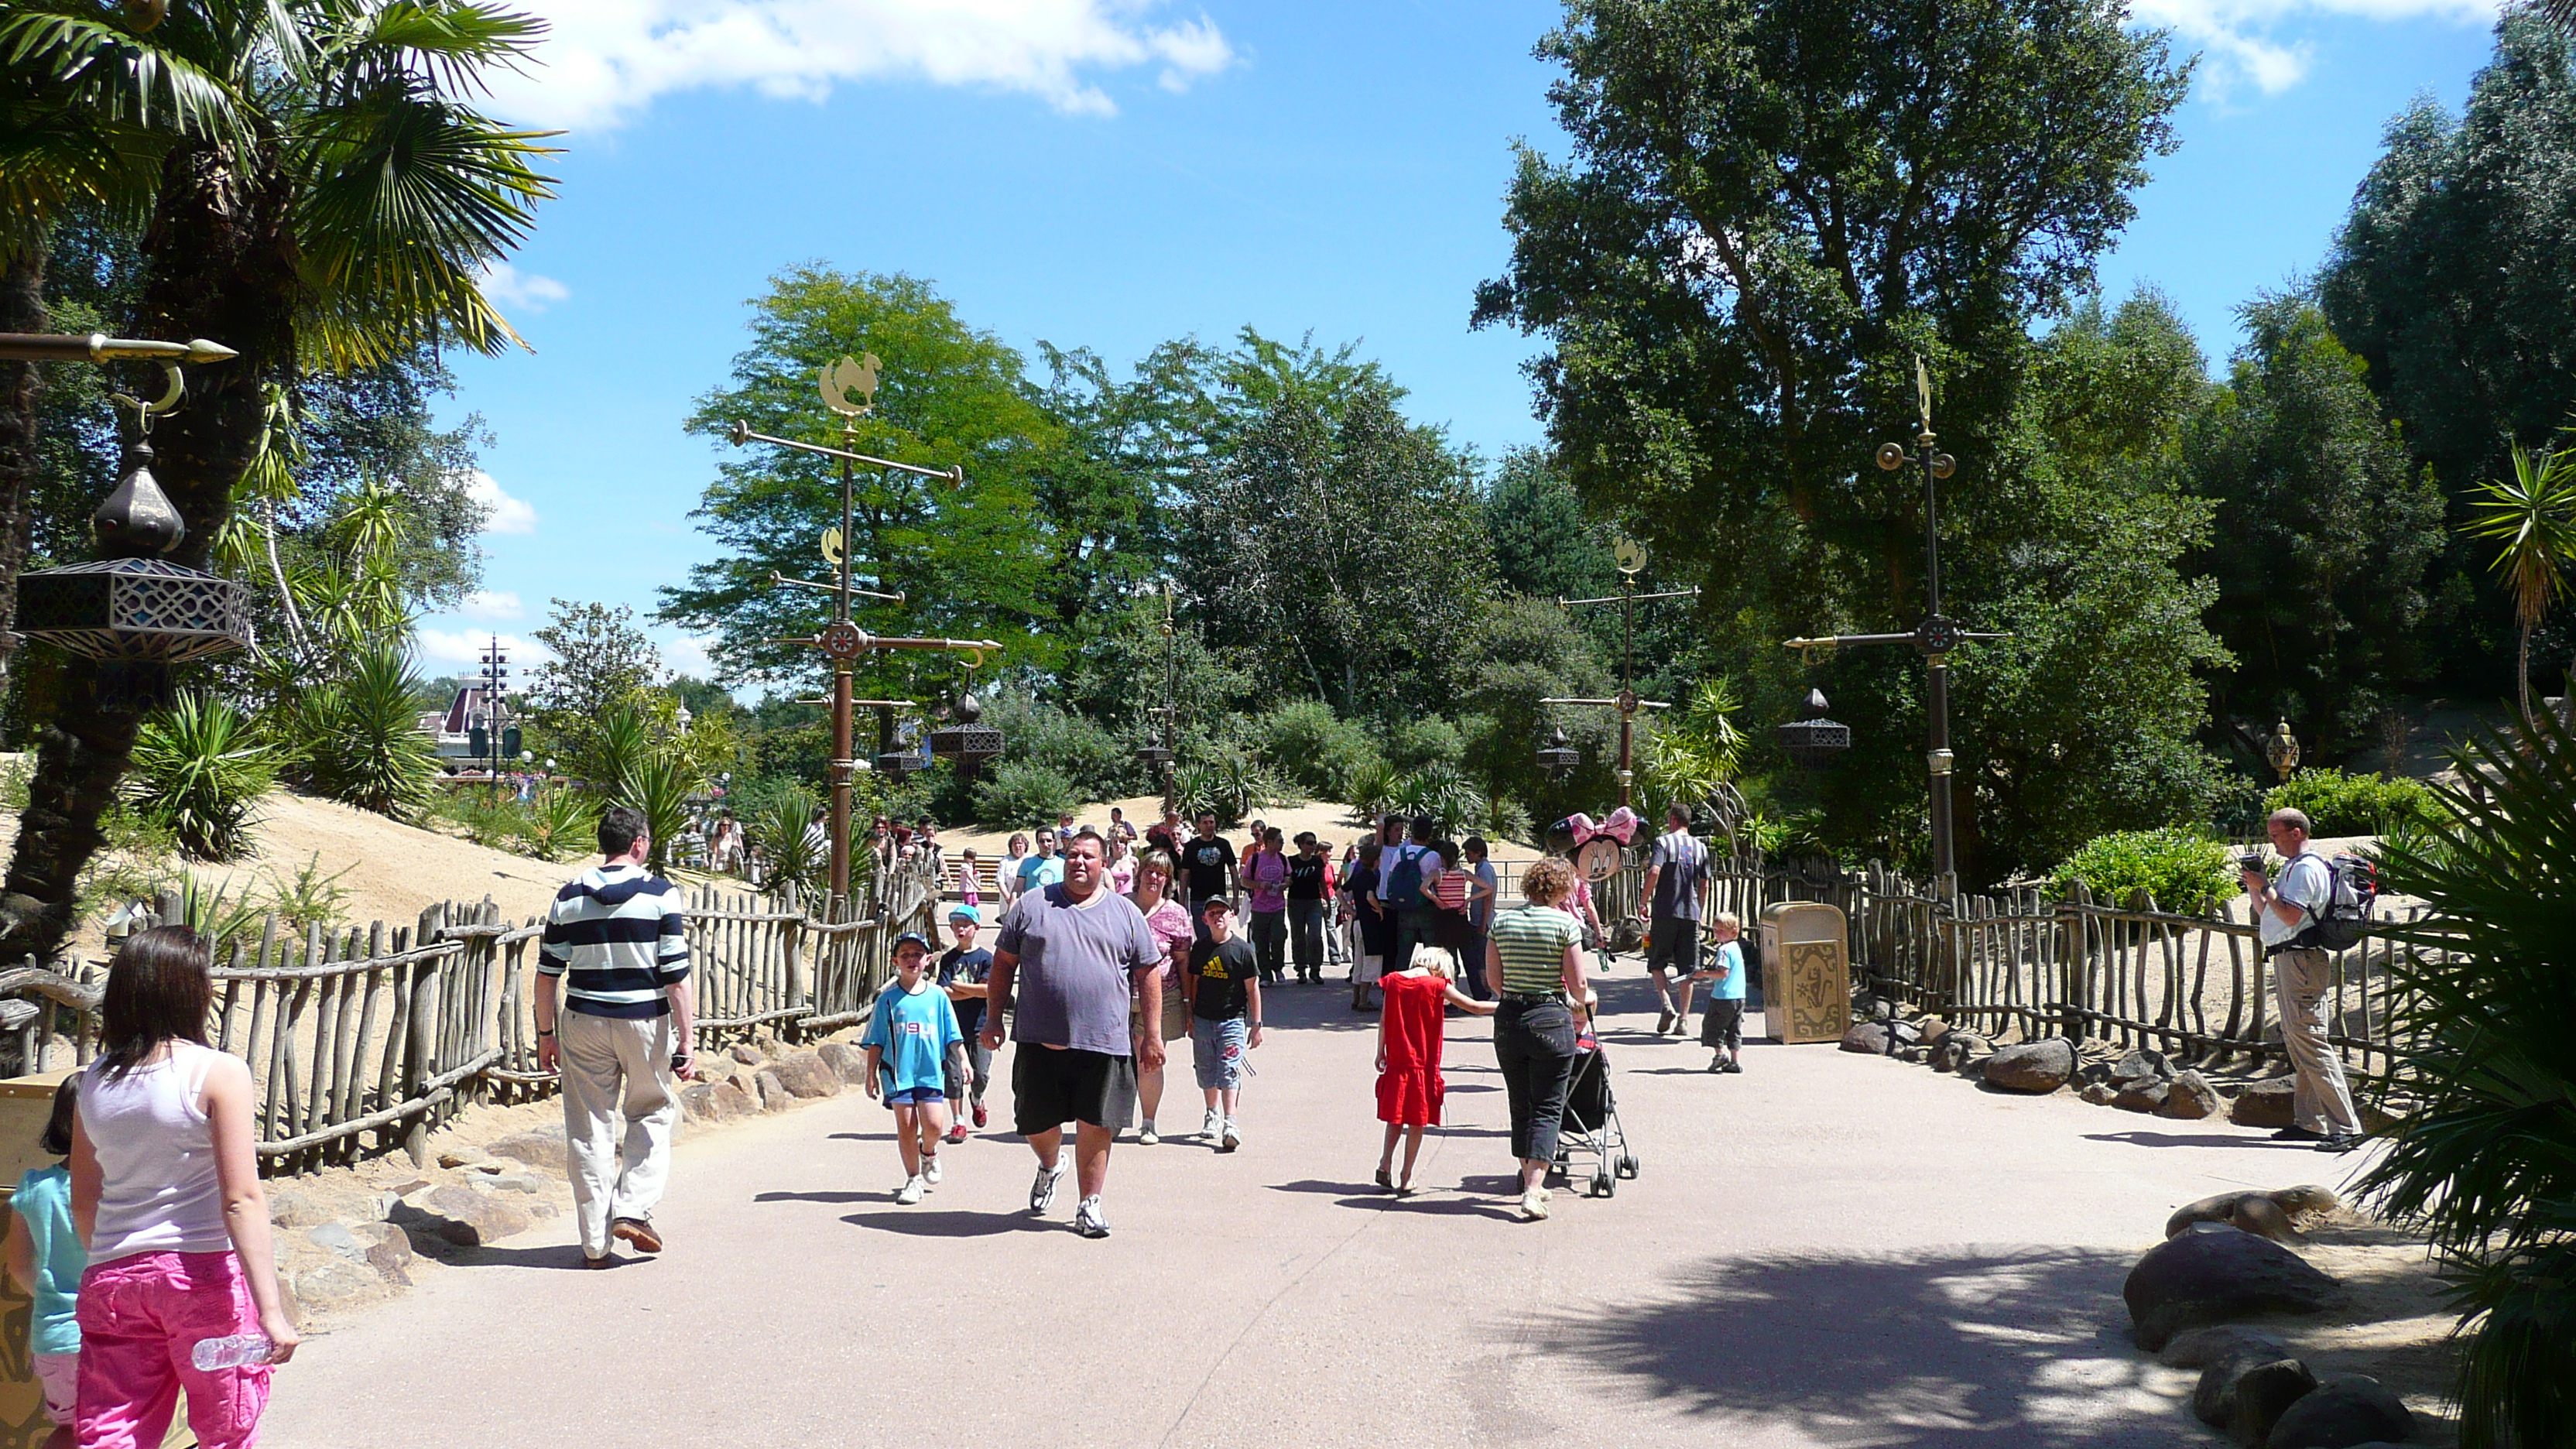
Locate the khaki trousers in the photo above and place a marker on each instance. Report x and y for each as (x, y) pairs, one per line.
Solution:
(2322, 1101)
(612, 1068)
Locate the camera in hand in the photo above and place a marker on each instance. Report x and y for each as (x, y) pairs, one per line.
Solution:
(2251, 860)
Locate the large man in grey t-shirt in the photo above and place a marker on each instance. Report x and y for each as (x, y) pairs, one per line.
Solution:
(1677, 882)
(1079, 953)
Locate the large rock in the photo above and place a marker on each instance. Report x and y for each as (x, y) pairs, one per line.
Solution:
(2214, 1273)
(2189, 1098)
(463, 1217)
(847, 1062)
(2246, 1395)
(537, 1149)
(698, 1102)
(805, 1075)
(463, 1155)
(731, 1101)
(2143, 1094)
(2266, 1103)
(2343, 1413)
(2272, 1215)
(388, 1250)
(290, 1208)
(2141, 1064)
(774, 1095)
(2032, 1066)
(747, 1054)
(337, 1238)
(1869, 1037)
(333, 1284)
(2200, 1347)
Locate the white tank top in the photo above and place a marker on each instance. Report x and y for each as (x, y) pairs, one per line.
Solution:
(156, 1152)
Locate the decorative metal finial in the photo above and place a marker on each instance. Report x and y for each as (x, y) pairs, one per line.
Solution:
(138, 517)
(851, 375)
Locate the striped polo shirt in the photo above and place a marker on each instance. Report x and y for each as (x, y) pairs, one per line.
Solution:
(1532, 942)
(616, 934)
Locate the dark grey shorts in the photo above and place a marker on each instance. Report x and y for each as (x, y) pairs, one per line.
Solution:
(1050, 1088)
(1672, 944)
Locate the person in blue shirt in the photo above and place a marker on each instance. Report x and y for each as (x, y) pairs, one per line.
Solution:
(1043, 869)
(46, 1259)
(1721, 1022)
(912, 1034)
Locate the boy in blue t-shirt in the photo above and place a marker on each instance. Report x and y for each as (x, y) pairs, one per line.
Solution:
(910, 1037)
(1721, 1022)
(46, 1258)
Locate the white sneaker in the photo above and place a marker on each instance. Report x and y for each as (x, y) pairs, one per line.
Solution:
(910, 1192)
(930, 1170)
(1042, 1191)
(1210, 1125)
(1089, 1220)
(1533, 1206)
(1233, 1138)
(1146, 1135)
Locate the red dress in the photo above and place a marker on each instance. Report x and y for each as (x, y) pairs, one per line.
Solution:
(1416, 1012)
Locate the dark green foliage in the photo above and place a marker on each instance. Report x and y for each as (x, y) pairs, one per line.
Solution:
(2321, 539)
(777, 823)
(360, 737)
(2182, 869)
(559, 823)
(2453, 280)
(199, 770)
(1225, 784)
(659, 783)
(2484, 1157)
(1438, 789)
(1305, 745)
(1544, 542)
(1018, 793)
(1094, 763)
(2339, 804)
(1522, 651)
(601, 670)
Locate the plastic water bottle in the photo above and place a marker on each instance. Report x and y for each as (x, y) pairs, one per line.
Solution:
(238, 1351)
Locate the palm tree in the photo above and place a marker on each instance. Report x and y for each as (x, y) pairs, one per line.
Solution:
(2533, 520)
(328, 205)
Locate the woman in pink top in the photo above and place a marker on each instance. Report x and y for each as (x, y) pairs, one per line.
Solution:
(1265, 876)
(1169, 920)
(166, 1191)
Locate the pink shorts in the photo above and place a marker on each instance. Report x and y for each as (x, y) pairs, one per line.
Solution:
(141, 1317)
(59, 1375)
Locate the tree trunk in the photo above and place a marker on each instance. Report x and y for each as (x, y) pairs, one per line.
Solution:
(22, 309)
(218, 263)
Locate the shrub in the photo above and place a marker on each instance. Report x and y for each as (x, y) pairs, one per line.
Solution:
(1094, 763)
(659, 786)
(1430, 740)
(308, 897)
(199, 771)
(778, 825)
(1020, 791)
(1305, 745)
(363, 744)
(559, 822)
(2484, 1159)
(1441, 792)
(2341, 804)
(2181, 870)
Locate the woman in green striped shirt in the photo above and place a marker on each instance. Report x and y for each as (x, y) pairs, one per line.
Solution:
(1534, 962)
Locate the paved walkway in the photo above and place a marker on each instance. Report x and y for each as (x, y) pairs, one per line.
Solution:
(1827, 1249)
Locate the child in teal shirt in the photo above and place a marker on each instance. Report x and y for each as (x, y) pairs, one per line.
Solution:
(912, 1034)
(46, 1258)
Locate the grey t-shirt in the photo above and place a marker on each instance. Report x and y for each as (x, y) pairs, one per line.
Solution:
(1684, 862)
(1072, 986)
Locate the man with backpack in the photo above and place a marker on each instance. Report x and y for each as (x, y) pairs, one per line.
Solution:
(2289, 915)
(1677, 886)
(1417, 916)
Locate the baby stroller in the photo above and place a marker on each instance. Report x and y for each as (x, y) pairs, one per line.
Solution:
(1591, 1126)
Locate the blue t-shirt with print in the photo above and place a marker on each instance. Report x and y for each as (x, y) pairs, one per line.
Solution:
(44, 1200)
(1037, 872)
(912, 1031)
(1729, 987)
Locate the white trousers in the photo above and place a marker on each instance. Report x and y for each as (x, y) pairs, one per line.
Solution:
(2322, 1101)
(615, 1068)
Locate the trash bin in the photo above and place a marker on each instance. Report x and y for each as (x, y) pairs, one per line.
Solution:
(1806, 972)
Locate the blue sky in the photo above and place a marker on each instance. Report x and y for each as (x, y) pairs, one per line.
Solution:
(1113, 173)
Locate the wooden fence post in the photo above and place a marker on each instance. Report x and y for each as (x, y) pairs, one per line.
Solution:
(417, 1066)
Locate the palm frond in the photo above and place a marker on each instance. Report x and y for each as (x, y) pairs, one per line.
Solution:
(117, 79)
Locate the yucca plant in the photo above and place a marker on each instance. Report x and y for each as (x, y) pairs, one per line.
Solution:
(363, 743)
(199, 769)
(2484, 1161)
(659, 785)
(559, 823)
(308, 897)
(217, 914)
(1441, 792)
(779, 826)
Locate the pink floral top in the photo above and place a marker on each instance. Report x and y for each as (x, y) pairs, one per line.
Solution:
(1170, 923)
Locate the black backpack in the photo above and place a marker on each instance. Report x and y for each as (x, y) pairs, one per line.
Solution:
(2345, 917)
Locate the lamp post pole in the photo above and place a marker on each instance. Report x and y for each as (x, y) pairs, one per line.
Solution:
(1631, 557)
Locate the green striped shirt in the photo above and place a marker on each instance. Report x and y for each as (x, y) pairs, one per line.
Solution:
(1532, 942)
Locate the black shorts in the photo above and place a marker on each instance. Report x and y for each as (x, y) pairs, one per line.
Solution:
(1672, 944)
(1050, 1088)
(1721, 1023)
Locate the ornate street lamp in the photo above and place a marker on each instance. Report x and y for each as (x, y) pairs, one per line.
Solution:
(1557, 757)
(963, 740)
(2281, 748)
(1812, 741)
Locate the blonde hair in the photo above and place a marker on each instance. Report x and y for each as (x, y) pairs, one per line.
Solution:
(1547, 881)
(1436, 961)
(1728, 919)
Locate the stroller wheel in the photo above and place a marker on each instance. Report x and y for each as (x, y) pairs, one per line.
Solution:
(1627, 1166)
(1603, 1184)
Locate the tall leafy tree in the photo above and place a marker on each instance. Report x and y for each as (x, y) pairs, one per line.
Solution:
(970, 558)
(328, 208)
(2323, 534)
(2453, 280)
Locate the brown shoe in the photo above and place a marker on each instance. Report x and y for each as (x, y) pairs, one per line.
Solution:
(604, 1260)
(636, 1231)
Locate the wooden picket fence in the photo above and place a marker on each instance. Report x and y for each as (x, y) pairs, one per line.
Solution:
(368, 1038)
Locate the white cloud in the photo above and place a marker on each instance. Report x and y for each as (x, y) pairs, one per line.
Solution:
(507, 287)
(492, 606)
(460, 651)
(2239, 49)
(688, 655)
(605, 60)
(501, 512)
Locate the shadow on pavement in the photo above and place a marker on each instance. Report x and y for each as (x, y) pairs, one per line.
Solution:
(834, 1198)
(567, 1256)
(1447, 1207)
(954, 1224)
(2145, 1138)
(1940, 1349)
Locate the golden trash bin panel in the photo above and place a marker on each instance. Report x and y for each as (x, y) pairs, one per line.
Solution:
(1806, 972)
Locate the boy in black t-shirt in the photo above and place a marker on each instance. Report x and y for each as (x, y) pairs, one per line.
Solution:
(962, 972)
(1207, 863)
(1223, 988)
(1306, 907)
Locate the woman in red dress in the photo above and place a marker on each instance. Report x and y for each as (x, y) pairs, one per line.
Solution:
(1409, 1034)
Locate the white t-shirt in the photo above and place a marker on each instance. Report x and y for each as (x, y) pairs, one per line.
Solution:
(2303, 883)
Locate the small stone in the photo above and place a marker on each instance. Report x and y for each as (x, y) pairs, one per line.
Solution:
(1917, 1055)
(2189, 1098)
(330, 1285)
(2246, 1395)
(536, 1149)
(337, 1238)
(514, 1182)
(2032, 1066)
(1868, 1038)
(455, 1157)
(2344, 1411)
(288, 1208)
(470, 1219)
(2213, 1273)
(406, 1190)
(2254, 1212)
(2141, 1064)
(1934, 1030)
(388, 1250)
(748, 1055)
(2144, 1094)
(846, 1061)
(805, 1075)
(2267, 1103)
(2098, 1093)
(774, 1095)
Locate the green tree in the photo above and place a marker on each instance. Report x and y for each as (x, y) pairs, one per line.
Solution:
(970, 558)
(2532, 522)
(601, 663)
(330, 208)
(2452, 279)
(2321, 539)
(1544, 542)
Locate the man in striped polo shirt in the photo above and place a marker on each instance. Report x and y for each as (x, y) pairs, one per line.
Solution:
(614, 946)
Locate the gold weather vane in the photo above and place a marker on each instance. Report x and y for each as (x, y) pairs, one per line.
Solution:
(847, 376)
